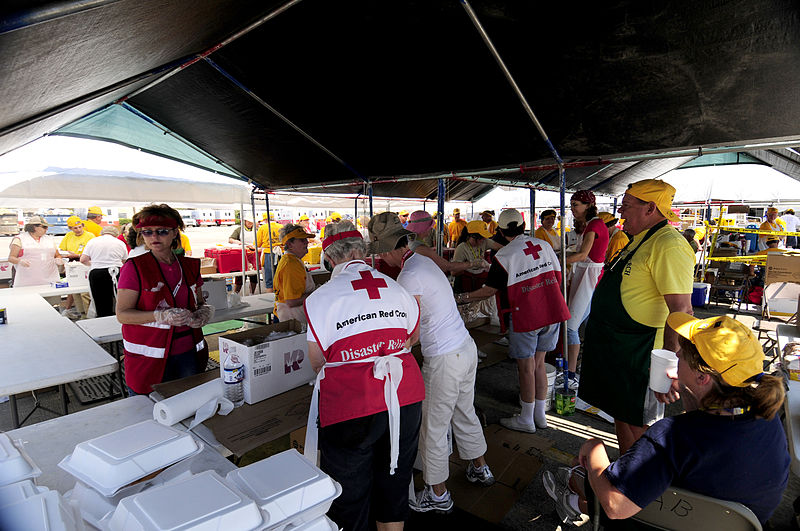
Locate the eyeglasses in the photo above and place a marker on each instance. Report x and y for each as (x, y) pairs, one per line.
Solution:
(159, 232)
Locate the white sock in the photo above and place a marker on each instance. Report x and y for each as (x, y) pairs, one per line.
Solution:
(526, 415)
(539, 414)
(440, 498)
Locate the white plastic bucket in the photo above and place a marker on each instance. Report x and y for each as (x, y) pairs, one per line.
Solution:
(551, 382)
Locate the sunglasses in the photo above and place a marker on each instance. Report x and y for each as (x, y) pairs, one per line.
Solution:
(159, 232)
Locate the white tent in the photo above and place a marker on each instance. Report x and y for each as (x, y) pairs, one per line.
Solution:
(749, 183)
(72, 172)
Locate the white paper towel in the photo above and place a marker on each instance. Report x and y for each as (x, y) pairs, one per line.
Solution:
(201, 401)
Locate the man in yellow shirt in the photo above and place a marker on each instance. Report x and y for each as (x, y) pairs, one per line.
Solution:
(403, 215)
(455, 227)
(292, 282)
(491, 224)
(74, 241)
(93, 219)
(335, 218)
(269, 233)
(771, 223)
(187, 248)
(546, 232)
(639, 289)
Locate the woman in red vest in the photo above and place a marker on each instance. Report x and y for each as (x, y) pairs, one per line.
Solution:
(161, 306)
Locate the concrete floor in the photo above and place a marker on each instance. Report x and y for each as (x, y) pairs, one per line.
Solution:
(496, 397)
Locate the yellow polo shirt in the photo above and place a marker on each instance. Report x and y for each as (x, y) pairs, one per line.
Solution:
(454, 229)
(75, 244)
(549, 236)
(273, 228)
(290, 278)
(187, 249)
(663, 265)
(492, 227)
(616, 243)
(92, 227)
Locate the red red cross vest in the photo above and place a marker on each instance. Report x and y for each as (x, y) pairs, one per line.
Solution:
(359, 314)
(147, 346)
(534, 283)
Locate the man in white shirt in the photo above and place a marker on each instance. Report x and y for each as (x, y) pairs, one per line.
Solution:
(449, 367)
(792, 224)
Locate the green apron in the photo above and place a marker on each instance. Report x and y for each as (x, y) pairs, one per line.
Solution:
(615, 371)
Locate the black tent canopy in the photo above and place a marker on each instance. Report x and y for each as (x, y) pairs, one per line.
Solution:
(322, 95)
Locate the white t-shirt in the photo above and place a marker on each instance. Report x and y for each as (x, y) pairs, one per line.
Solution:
(105, 251)
(792, 222)
(441, 330)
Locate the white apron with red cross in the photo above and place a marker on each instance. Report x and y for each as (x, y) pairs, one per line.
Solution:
(534, 283)
(361, 320)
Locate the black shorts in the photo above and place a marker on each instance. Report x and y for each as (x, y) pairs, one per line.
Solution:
(356, 454)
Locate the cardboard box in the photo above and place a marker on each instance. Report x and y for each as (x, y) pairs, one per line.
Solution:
(271, 367)
(783, 268)
(215, 293)
(513, 458)
(208, 266)
(77, 274)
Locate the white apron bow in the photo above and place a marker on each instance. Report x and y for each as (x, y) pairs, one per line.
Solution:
(388, 368)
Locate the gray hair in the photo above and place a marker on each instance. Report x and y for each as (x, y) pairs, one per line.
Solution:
(346, 249)
(286, 229)
(109, 229)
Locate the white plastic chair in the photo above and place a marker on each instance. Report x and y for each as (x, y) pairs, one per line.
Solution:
(682, 510)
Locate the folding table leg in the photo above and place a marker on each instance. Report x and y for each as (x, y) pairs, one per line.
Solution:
(14, 413)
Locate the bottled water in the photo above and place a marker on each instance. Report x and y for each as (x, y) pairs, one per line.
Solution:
(232, 376)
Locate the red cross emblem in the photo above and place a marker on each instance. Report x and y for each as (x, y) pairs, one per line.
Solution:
(532, 249)
(369, 283)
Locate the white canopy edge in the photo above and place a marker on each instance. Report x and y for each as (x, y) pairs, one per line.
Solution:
(71, 172)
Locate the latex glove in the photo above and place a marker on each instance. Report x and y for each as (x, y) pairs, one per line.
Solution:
(173, 316)
(24, 263)
(59, 261)
(485, 265)
(477, 263)
(202, 316)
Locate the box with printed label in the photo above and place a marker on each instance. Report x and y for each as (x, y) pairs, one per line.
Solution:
(275, 358)
(783, 268)
(77, 274)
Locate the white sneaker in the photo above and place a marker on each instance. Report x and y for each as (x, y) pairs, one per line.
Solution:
(481, 355)
(481, 475)
(514, 423)
(425, 501)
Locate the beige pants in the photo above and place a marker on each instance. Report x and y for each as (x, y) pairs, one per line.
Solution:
(449, 396)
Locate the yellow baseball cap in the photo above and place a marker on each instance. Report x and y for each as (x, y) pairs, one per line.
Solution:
(74, 221)
(725, 344)
(478, 227)
(96, 210)
(403, 213)
(456, 211)
(772, 209)
(303, 218)
(607, 217)
(336, 217)
(659, 192)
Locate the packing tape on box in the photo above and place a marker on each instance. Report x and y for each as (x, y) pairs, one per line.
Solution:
(201, 401)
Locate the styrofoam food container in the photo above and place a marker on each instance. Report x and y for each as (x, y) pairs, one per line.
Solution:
(203, 501)
(45, 511)
(17, 492)
(288, 488)
(323, 523)
(15, 465)
(109, 462)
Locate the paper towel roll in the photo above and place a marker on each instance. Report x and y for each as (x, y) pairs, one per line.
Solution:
(180, 406)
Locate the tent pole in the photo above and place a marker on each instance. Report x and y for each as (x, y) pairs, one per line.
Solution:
(369, 188)
(269, 236)
(615, 207)
(244, 250)
(355, 211)
(533, 210)
(440, 218)
(255, 240)
(562, 174)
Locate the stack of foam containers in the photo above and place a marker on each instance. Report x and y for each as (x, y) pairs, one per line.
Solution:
(109, 468)
(23, 505)
(291, 492)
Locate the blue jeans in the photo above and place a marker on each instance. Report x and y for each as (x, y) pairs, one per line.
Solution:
(572, 335)
(268, 270)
